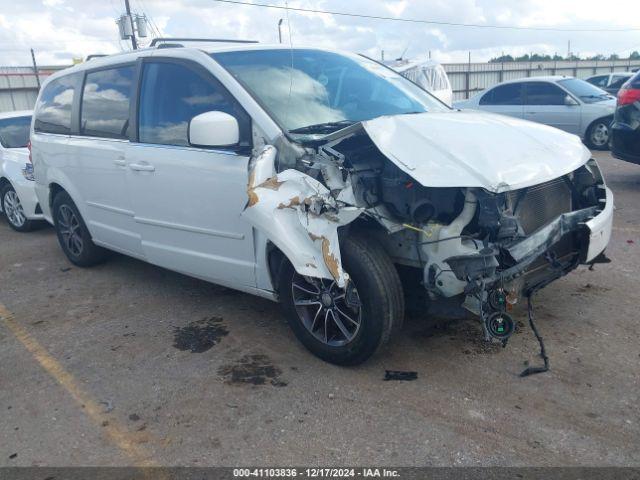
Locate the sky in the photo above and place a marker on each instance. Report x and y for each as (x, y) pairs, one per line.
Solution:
(60, 30)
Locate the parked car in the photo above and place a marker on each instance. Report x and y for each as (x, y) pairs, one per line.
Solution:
(18, 199)
(610, 82)
(625, 131)
(567, 103)
(317, 178)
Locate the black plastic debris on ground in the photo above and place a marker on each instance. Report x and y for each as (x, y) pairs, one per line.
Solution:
(252, 370)
(400, 376)
(199, 336)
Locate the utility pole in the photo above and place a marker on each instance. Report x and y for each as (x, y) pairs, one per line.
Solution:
(280, 29)
(134, 43)
(35, 68)
(569, 50)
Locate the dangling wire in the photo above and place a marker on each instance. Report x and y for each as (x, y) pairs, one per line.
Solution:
(543, 353)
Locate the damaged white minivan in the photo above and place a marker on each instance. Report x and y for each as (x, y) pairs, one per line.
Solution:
(317, 178)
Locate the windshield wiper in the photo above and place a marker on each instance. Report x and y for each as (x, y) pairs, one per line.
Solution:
(326, 127)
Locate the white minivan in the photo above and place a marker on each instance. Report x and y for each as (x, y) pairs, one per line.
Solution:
(321, 179)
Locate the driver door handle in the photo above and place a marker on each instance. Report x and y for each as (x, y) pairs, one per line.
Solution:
(142, 167)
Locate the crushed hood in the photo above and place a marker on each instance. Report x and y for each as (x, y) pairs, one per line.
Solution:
(476, 149)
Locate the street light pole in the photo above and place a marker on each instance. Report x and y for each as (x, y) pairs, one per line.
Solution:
(280, 30)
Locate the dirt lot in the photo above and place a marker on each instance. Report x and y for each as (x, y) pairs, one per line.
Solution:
(127, 364)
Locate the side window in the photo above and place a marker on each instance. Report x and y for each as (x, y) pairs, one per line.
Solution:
(599, 81)
(509, 94)
(53, 111)
(619, 82)
(14, 132)
(543, 93)
(172, 94)
(105, 103)
(487, 98)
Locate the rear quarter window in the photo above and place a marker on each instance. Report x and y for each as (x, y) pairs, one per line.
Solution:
(14, 132)
(53, 110)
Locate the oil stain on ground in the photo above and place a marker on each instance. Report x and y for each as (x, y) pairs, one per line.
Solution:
(199, 336)
(252, 370)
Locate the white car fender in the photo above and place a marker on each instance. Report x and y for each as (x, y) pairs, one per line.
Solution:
(299, 215)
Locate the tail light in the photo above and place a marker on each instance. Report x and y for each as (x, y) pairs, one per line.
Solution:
(627, 96)
(29, 148)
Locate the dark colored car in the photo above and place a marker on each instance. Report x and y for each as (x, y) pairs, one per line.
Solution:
(625, 136)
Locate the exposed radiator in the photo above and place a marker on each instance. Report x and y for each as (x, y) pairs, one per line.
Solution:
(541, 203)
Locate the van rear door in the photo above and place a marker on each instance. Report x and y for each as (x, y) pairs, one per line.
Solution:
(98, 151)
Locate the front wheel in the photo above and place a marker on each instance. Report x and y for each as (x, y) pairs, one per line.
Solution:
(597, 137)
(73, 235)
(13, 211)
(345, 326)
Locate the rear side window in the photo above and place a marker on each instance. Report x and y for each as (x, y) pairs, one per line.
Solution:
(172, 94)
(509, 94)
(14, 132)
(105, 103)
(619, 82)
(542, 93)
(53, 111)
(599, 81)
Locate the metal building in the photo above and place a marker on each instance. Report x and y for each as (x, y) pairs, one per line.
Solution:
(19, 86)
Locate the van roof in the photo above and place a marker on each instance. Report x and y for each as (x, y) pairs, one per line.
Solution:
(208, 48)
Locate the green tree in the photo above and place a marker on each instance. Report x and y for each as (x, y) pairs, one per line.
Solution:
(634, 55)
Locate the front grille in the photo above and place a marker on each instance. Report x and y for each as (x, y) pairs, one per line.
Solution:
(540, 204)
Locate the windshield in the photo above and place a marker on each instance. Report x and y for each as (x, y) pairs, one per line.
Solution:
(584, 90)
(317, 92)
(14, 132)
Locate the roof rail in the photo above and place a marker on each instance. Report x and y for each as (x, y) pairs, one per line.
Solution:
(95, 55)
(156, 41)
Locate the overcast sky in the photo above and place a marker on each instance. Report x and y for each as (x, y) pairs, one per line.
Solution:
(60, 30)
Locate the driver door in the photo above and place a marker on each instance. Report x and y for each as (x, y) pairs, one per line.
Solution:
(187, 200)
(545, 103)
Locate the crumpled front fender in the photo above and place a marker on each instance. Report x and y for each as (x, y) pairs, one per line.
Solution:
(299, 215)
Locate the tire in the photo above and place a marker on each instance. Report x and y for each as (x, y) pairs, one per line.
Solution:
(13, 211)
(598, 134)
(73, 235)
(378, 292)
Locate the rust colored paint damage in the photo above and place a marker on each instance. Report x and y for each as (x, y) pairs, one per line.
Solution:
(330, 259)
(271, 184)
(294, 202)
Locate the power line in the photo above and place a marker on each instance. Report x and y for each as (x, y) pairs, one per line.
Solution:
(430, 22)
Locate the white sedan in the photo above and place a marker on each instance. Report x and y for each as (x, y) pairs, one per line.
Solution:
(17, 195)
(567, 103)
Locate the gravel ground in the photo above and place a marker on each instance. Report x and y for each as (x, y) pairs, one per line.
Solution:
(127, 363)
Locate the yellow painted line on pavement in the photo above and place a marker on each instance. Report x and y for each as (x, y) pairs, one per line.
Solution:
(119, 435)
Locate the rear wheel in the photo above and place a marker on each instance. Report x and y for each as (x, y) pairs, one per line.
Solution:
(13, 211)
(73, 235)
(598, 133)
(345, 326)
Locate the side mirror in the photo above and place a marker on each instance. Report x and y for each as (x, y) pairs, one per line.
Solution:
(569, 101)
(213, 129)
